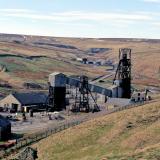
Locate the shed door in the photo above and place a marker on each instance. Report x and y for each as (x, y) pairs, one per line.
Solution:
(15, 107)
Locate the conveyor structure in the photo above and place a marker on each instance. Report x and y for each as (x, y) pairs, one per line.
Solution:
(57, 89)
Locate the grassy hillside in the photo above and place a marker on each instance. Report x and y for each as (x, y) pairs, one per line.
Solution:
(145, 55)
(128, 135)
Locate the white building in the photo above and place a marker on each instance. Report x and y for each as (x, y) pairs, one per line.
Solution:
(139, 96)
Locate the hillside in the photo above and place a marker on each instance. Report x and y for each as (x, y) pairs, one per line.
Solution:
(30, 59)
(129, 135)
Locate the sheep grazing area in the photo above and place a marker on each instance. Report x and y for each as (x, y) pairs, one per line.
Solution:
(127, 135)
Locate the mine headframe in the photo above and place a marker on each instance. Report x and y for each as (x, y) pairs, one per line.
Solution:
(123, 73)
(82, 98)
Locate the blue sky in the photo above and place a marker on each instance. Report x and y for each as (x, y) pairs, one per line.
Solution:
(82, 18)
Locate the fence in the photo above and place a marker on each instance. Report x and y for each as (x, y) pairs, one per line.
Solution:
(23, 142)
(117, 109)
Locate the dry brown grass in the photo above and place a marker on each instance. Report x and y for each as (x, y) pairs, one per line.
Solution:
(146, 59)
(131, 134)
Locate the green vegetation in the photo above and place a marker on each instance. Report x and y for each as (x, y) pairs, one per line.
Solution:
(11, 63)
(5, 91)
(128, 135)
(35, 69)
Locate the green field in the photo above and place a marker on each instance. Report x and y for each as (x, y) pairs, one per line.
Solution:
(35, 69)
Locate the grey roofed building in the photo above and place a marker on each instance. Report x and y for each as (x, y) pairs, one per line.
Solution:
(30, 98)
(24, 101)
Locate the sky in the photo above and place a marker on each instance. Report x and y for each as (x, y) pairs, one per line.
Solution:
(82, 18)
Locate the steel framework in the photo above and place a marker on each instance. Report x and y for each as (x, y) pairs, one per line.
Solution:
(123, 73)
(82, 99)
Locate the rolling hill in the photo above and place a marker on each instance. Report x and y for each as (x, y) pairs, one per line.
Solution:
(30, 59)
(127, 135)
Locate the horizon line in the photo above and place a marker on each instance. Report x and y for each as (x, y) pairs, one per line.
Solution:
(79, 37)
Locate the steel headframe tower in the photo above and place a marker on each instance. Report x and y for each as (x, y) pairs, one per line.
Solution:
(123, 73)
(82, 103)
(82, 96)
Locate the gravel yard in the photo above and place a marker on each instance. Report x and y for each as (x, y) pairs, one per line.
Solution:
(43, 120)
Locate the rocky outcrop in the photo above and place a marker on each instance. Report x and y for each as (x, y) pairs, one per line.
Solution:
(28, 154)
(3, 68)
(55, 45)
(98, 50)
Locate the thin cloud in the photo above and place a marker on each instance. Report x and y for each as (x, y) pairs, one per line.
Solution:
(152, 1)
(76, 16)
(102, 16)
(156, 24)
(80, 18)
(14, 10)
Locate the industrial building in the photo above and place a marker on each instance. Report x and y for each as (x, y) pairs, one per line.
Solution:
(140, 96)
(121, 87)
(16, 102)
(84, 91)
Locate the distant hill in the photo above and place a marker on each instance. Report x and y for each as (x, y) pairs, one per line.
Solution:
(33, 58)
